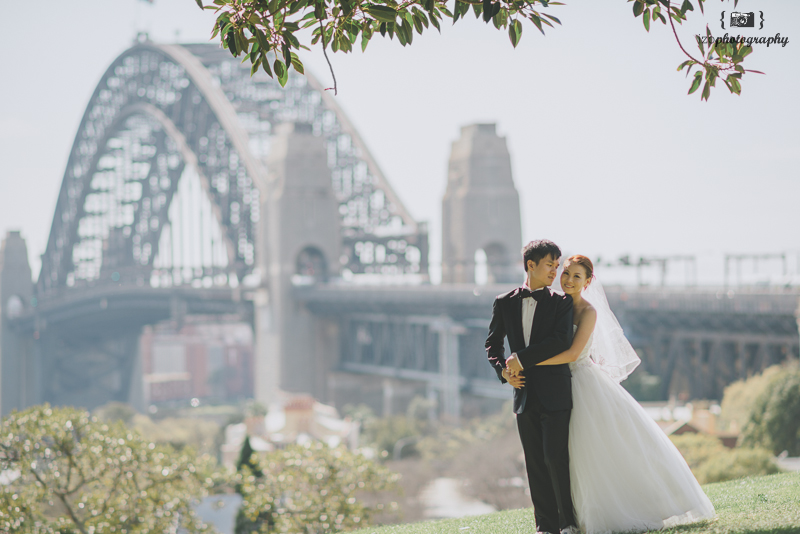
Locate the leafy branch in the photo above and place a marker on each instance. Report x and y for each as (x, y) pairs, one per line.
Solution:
(266, 31)
(723, 58)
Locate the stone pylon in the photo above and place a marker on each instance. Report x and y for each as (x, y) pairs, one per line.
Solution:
(480, 209)
(300, 242)
(19, 384)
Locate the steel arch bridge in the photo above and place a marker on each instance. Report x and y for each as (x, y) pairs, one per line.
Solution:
(127, 213)
(159, 209)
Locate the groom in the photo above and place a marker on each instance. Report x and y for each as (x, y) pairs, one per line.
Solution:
(538, 325)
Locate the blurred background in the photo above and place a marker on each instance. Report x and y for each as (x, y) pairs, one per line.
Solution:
(227, 265)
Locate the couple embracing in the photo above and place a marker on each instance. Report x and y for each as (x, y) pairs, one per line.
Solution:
(596, 462)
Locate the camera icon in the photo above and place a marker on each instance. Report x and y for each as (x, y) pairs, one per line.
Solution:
(743, 20)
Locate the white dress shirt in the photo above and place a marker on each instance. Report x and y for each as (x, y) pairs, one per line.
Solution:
(528, 310)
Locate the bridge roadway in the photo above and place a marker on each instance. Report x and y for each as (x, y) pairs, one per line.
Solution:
(695, 340)
(428, 337)
(86, 341)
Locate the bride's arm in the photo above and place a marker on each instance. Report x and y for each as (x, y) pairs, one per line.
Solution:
(585, 329)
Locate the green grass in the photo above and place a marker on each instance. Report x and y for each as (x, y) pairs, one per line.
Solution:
(759, 505)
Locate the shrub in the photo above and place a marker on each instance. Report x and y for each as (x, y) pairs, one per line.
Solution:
(774, 421)
(72, 473)
(737, 463)
(711, 461)
(312, 488)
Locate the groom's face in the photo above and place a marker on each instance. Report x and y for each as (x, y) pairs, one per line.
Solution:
(543, 273)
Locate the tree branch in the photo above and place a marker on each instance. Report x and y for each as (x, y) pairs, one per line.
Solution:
(675, 33)
(325, 53)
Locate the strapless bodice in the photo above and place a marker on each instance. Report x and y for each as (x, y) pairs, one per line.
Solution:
(583, 358)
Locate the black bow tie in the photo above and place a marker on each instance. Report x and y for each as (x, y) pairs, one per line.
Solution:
(538, 294)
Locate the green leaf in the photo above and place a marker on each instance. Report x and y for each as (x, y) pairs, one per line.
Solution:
(698, 77)
(638, 7)
(487, 10)
(319, 10)
(706, 92)
(199, 3)
(515, 32)
(646, 19)
(435, 23)
(418, 23)
(551, 17)
(287, 55)
(255, 66)
(537, 22)
(686, 6)
(281, 72)
(297, 64)
(700, 44)
(381, 13)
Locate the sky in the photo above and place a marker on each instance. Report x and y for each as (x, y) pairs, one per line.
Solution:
(609, 154)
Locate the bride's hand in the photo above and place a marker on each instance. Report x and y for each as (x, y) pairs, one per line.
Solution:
(513, 365)
(517, 381)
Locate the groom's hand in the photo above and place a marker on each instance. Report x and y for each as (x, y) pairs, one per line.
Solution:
(513, 365)
(516, 381)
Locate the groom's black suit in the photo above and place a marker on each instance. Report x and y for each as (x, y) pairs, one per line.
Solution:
(544, 404)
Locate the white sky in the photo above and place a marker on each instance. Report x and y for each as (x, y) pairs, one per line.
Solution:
(609, 154)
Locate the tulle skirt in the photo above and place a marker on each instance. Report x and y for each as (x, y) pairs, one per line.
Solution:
(626, 475)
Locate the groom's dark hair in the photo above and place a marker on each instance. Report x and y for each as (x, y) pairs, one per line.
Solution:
(538, 249)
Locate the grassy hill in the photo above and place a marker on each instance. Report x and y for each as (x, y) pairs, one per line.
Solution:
(760, 505)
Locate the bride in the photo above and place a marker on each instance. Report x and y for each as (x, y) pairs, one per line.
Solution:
(626, 474)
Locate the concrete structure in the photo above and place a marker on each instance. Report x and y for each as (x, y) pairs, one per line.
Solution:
(480, 210)
(300, 242)
(19, 371)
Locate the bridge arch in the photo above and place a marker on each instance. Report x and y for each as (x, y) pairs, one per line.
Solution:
(160, 111)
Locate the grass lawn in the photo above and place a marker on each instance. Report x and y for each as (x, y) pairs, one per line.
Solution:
(760, 505)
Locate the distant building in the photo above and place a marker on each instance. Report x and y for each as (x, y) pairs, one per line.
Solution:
(298, 419)
(698, 417)
(199, 360)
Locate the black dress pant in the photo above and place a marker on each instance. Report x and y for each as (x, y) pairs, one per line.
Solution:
(545, 442)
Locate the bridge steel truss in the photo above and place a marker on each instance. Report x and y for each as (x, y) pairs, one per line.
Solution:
(161, 117)
(696, 342)
(161, 108)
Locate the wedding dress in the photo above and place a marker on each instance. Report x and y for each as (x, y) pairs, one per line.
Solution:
(625, 473)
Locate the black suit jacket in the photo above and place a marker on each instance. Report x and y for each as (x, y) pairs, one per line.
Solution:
(551, 334)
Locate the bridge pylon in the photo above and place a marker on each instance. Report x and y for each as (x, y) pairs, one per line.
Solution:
(19, 369)
(300, 246)
(480, 209)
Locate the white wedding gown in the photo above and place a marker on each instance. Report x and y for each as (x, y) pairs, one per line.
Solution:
(625, 473)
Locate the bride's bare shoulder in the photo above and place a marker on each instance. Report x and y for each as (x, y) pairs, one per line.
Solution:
(587, 313)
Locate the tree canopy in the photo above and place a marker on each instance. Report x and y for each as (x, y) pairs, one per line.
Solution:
(311, 488)
(269, 32)
(67, 472)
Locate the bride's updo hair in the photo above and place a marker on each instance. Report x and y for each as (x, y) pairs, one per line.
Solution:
(584, 262)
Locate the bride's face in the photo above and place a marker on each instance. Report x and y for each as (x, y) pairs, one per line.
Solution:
(573, 278)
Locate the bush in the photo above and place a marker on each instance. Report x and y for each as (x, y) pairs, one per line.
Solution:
(312, 488)
(72, 473)
(711, 461)
(737, 463)
(774, 421)
(740, 397)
